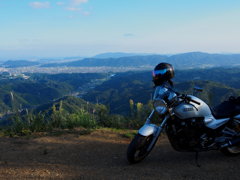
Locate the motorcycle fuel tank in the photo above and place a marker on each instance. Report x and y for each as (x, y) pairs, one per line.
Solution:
(191, 109)
(194, 110)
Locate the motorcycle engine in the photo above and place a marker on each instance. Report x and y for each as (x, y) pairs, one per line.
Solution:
(188, 134)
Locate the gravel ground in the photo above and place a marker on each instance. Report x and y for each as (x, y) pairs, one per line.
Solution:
(102, 155)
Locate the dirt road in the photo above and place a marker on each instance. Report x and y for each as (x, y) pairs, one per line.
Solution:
(101, 155)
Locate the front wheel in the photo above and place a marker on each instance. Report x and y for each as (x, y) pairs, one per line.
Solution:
(138, 148)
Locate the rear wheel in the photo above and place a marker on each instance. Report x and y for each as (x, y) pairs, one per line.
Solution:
(231, 151)
(138, 148)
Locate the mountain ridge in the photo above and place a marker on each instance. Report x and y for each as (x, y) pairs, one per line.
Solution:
(180, 61)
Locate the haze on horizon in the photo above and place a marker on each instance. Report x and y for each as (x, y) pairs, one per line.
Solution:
(44, 28)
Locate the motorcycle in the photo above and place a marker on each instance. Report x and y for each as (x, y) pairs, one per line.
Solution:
(190, 125)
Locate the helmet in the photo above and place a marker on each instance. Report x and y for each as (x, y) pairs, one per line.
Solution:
(163, 72)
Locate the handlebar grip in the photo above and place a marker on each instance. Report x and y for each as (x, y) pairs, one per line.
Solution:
(198, 103)
(190, 99)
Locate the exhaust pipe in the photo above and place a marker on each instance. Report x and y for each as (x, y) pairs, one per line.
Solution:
(232, 142)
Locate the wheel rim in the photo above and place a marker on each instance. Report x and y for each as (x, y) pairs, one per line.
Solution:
(141, 152)
(234, 149)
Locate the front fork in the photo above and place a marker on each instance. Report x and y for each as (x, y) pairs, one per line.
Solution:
(151, 129)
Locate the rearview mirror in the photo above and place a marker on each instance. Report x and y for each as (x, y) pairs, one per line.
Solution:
(198, 89)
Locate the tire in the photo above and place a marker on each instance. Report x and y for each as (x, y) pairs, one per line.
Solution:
(231, 151)
(137, 149)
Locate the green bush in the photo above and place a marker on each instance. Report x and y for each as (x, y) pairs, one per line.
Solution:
(81, 119)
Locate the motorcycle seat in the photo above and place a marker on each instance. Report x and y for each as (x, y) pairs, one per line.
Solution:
(227, 109)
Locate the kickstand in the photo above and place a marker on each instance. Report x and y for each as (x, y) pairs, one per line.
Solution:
(196, 159)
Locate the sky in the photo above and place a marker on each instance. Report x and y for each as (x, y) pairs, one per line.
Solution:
(58, 28)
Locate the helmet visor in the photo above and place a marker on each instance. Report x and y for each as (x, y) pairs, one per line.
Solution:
(159, 72)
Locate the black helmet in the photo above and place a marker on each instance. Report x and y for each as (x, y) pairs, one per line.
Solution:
(163, 72)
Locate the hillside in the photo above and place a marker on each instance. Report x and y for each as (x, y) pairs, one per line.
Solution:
(70, 104)
(43, 92)
(218, 85)
(227, 76)
(113, 90)
(41, 89)
(18, 94)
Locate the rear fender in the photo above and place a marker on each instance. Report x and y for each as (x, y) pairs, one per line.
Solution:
(148, 129)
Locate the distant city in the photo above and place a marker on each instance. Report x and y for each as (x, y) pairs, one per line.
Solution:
(115, 62)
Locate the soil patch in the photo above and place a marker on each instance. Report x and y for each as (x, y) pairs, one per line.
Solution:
(102, 155)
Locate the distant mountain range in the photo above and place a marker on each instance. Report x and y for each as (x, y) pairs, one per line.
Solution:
(180, 61)
(118, 55)
(18, 63)
(132, 61)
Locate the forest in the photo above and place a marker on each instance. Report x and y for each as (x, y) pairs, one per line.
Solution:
(122, 100)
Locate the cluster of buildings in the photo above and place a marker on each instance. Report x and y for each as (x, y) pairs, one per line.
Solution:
(9, 75)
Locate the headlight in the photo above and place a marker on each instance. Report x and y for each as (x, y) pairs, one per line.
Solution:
(160, 106)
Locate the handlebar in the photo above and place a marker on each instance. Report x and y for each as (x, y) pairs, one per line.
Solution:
(198, 103)
(185, 97)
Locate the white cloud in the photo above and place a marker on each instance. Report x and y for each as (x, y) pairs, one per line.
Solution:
(75, 5)
(78, 2)
(73, 9)
(39, 5)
